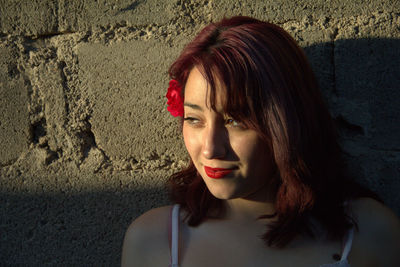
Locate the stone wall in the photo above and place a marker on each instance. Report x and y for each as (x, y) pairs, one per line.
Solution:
(87, 143)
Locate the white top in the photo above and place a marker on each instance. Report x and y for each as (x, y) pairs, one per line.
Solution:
(175, 245)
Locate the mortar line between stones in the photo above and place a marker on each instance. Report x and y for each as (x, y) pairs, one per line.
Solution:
(334, 61)
(50, 35)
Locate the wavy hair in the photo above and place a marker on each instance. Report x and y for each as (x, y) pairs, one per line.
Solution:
(269, 85)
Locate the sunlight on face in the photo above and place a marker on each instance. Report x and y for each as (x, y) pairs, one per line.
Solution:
(232, 159)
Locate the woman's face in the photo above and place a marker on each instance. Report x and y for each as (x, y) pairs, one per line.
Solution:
(232, 159)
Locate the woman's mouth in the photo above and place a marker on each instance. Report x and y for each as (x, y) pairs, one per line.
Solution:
(217, 173)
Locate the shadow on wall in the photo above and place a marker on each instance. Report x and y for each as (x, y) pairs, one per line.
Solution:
(69, 230)
(360, 79)
(362, 89)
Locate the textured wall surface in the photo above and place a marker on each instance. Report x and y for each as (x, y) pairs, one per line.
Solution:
(87, 143)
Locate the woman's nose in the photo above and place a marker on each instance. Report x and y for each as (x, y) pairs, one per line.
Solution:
(214, 143)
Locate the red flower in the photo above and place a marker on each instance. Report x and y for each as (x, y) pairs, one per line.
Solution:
(175, 102)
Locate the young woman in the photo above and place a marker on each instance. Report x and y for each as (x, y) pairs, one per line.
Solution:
(265, 185)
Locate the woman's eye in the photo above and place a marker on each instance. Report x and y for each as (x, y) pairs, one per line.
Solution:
(191, 120)
(234, 123)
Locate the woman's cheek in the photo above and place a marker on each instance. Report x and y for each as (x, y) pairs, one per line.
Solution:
(190, 140)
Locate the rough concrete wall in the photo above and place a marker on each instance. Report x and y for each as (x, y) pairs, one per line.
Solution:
(87, 143)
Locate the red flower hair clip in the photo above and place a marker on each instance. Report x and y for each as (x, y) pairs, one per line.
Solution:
(175, 102)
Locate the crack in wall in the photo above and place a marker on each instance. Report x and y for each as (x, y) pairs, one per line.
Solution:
(130, 7)
(38, 132)
(349, 129)
(64, 84)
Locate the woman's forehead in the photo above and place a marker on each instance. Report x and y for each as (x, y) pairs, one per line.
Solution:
(198, 88)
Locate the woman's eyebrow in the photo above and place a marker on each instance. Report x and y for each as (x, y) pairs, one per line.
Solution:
(193, 106)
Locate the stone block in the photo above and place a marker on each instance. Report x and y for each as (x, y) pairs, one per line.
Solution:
(374, 63)
(126, 83)
(34, 17)
(83, 15)
(14, 116)
(378, 170)
(315, 37)
(281, 11)
(47, 77)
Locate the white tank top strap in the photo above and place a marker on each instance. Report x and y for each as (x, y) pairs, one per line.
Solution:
(175, 236)
(348, 241)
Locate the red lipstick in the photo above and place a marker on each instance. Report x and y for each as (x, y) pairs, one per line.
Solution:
(217, 173)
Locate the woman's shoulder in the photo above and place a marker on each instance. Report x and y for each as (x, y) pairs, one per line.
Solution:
(373, 215)
(151, 220)
(378, 231)
(149, 232)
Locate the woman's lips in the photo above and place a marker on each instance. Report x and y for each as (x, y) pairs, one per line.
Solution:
(217, 173)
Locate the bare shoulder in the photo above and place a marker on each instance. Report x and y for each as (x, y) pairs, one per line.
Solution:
(148, 233)
(379, 231)
(150, 220)
(375, 216)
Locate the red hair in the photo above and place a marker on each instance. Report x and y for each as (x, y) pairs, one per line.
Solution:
(269, 85)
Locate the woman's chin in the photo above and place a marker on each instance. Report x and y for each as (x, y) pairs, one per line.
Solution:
(224, 194)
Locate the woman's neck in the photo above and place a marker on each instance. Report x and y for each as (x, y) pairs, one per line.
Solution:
(242, 209)
(251, 207)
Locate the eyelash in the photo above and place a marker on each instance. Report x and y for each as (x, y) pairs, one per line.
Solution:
(190, 119)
